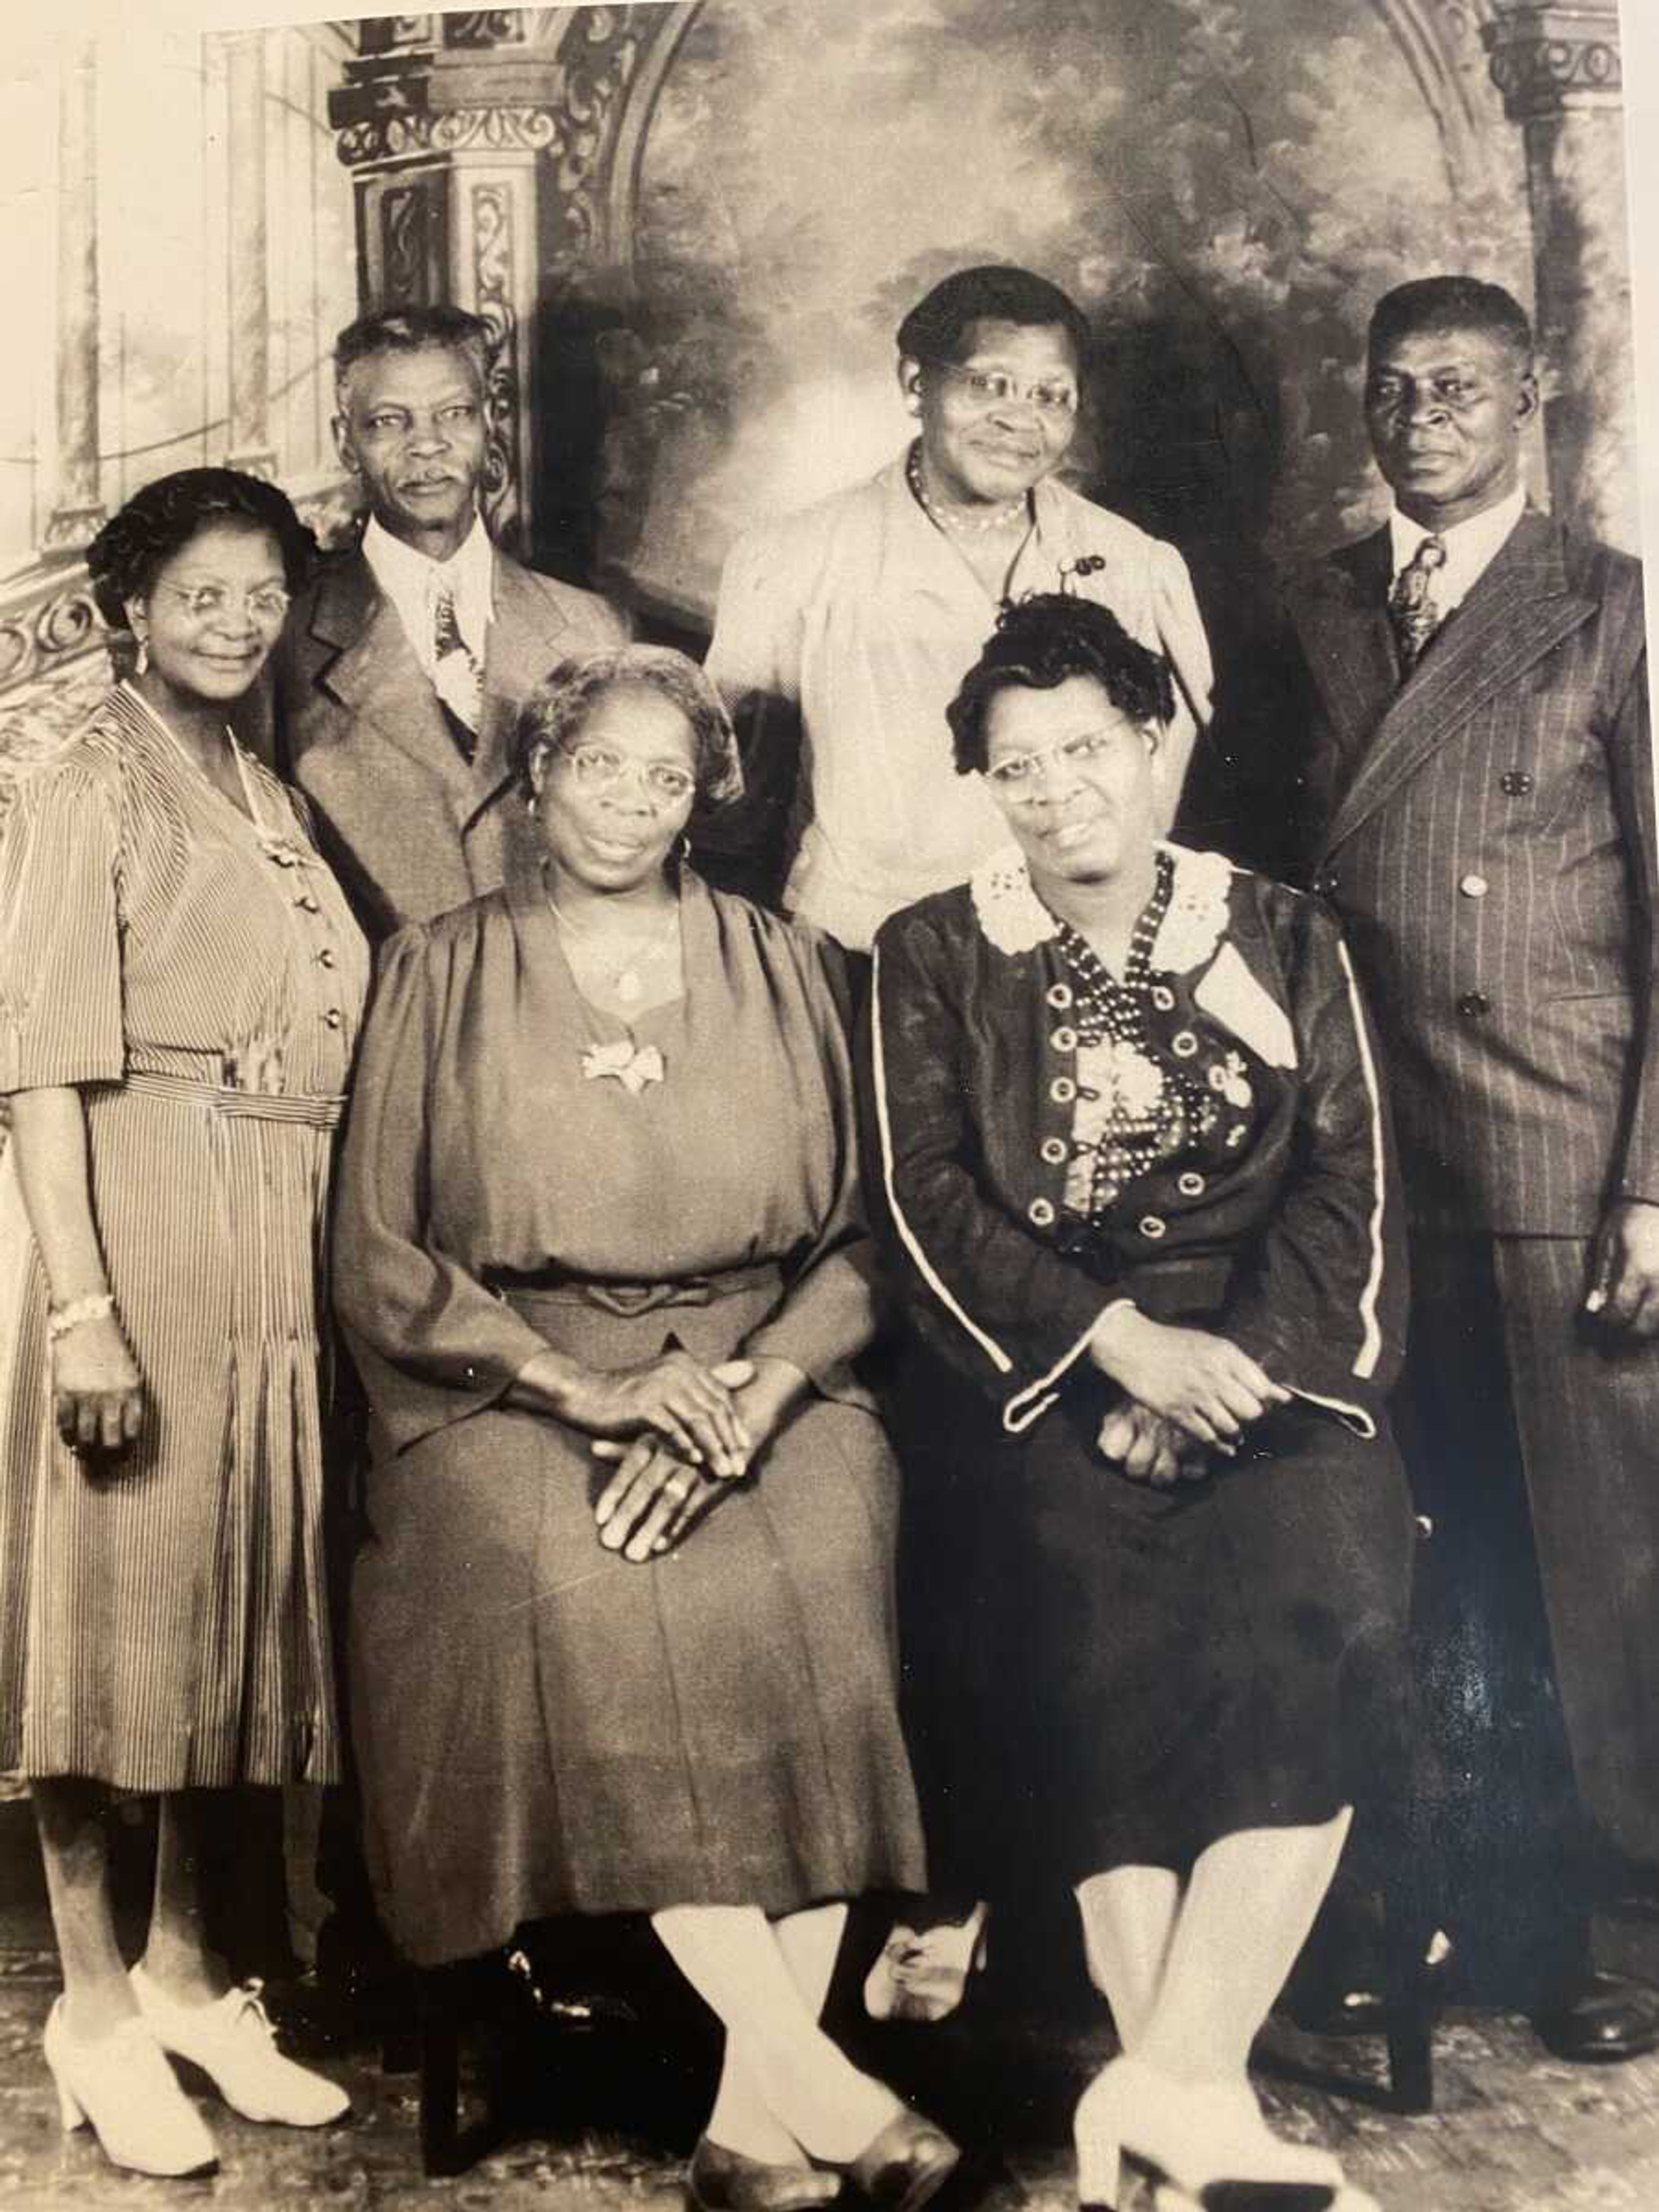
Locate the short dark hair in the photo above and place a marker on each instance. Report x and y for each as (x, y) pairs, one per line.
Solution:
(1039, 642)
(138, 541)
(994, 291)
(1450, 303)
(412, 330)
(551, 720)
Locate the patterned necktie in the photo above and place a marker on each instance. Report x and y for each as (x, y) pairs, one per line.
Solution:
(1411, 609)
(456, 677)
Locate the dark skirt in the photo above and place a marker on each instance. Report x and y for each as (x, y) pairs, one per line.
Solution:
(544, 1729)
(1099, 1674)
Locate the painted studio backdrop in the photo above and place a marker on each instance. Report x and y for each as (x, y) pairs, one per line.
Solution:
(693, 228)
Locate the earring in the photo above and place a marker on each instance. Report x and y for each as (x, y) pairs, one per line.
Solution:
(530, 803)
(143, 661)
(682, 848)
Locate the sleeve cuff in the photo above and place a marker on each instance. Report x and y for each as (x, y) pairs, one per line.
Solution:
(1027, 1407)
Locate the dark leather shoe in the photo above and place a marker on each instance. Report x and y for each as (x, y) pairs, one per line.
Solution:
(721, 2180)
(910, 2162)
(1608, 2017)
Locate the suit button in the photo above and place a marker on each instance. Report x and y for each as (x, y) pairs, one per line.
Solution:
(1054, 1150)
(1064, 1039)
(1152, 1226)
(1473, 886)
(1039, 1213)
(325, 958)
(333, 1018)
(307, 902)
(1062, 1090)
(1474, 1003)
(1059, 996)
(1515, 783)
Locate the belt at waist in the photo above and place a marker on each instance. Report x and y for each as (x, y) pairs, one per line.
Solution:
(525, 1292)
(317, 1113)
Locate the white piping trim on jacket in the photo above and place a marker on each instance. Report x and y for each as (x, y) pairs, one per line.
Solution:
(993, 1351)
(1018, 1415)
(1355, 1417)
(1371, 1345)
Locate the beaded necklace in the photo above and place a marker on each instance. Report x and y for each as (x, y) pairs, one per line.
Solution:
(1151, 1106)
(1009, 515)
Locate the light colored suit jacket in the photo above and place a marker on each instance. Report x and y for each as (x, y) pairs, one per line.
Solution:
(411, 827)
(1489, 841)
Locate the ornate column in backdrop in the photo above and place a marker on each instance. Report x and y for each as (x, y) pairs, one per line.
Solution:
(1558, 67)
(78, 507)
(248, 442)
(482, 143)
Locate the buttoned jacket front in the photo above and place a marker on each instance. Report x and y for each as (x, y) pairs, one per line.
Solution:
(1290, 1246)
(1489, 841)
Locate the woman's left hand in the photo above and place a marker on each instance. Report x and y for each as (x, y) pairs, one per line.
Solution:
(655, 1499)
(1149, 1448)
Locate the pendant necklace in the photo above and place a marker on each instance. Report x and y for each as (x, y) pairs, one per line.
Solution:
(287, 852)
(626, 979)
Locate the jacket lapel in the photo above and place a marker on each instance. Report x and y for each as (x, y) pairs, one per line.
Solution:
(1342, 618)
(1520, 610)
(362, 659)
(526, 639)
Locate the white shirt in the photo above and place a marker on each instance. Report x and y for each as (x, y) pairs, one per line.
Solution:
(413, 581)
(861, 618)
(1471, 547)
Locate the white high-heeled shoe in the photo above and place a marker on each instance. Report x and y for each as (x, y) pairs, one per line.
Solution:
(1208, 2140)
(121, 2084)
(231, 2041)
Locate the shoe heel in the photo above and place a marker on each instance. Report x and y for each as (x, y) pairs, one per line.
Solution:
(68, 2107)
(1099, 2176)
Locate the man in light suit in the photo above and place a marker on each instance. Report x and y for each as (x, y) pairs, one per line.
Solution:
(1483, 776)
(406, 661)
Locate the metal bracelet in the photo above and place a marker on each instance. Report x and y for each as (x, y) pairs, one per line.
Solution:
(94, 1307)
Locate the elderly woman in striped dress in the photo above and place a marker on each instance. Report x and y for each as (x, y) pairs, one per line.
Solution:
(1137, 1184)
(180, 983)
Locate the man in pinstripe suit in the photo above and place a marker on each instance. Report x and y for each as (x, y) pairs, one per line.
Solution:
(1484, 777)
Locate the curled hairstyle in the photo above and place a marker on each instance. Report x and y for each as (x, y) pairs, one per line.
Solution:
(1450, 303)
(1039, 642)
(411, 330)
(993, 292)
(551, 718)
(139, 540)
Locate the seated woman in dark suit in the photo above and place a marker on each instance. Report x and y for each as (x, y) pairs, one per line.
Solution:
(622, 1636)
(1137, 1185)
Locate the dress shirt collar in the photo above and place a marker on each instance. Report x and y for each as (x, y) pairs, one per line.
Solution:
(1471, 546)
(411, 580)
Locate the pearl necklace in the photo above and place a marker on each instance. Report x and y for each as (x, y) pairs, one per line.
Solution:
(1012, 512)
(625, 977)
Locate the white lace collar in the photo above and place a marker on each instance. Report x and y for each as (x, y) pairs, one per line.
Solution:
(1014, 919)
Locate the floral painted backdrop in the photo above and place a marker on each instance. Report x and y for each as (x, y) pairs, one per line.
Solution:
(1225, 185)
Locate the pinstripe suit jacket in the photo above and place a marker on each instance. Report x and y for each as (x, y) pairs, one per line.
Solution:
(410, 827)
(1489, 840)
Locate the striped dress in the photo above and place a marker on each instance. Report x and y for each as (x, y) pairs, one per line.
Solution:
(199, 978)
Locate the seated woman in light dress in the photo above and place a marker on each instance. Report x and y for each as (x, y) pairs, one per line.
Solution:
(622, 1631)
(1138, 1191)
